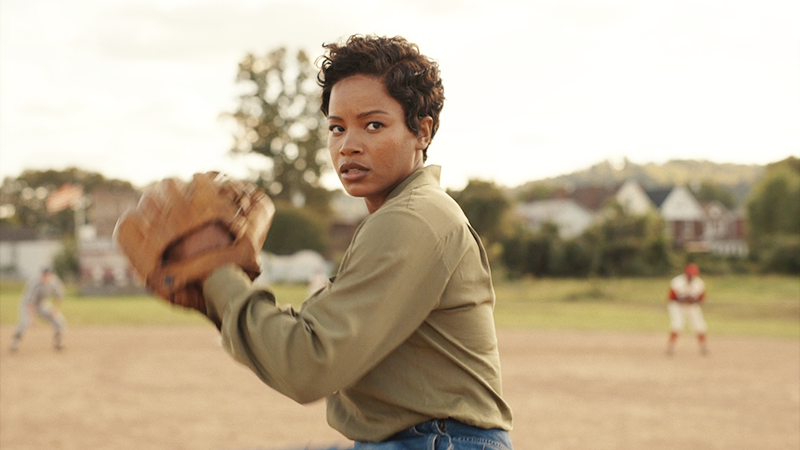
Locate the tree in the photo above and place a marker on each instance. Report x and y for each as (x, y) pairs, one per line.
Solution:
(710, 191)
(279, 118)
(544, 253)
(628, 245)
(294, 229)
(66, 263)
(485, 205)
(534, 191)
(22, 199)
(774, 218)
(774, 205)
(532, 253)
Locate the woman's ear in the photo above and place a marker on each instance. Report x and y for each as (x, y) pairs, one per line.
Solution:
(424, 134)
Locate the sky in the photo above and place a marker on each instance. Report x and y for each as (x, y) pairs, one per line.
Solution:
(134, 89)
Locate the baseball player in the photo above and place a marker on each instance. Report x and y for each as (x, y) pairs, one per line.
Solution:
(42, 295)
(401, 342)
(686, 293)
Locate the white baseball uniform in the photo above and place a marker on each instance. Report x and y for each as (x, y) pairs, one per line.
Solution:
(684, 303)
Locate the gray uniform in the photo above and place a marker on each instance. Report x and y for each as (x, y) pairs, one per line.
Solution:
(35, 298)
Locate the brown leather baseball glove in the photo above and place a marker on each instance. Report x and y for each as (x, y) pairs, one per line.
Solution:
(172, 214)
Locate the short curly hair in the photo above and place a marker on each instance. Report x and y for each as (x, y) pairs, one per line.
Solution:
(410, 78)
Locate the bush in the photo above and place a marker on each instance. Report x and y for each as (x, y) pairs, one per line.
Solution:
(294, 229)
(626, 245)
(65, 263)
(528, 253)
(711, 264)
(622, 245)
(779, 254)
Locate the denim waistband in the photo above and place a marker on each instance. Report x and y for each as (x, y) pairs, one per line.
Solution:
(455, 429)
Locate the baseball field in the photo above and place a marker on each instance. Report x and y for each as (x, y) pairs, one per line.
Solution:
(583, 364)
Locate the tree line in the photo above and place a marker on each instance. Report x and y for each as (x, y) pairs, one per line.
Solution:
(278, 117)
(631, 245)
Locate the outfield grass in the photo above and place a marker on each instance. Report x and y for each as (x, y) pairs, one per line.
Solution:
(747, 305)
(123, 310)
(741, 305)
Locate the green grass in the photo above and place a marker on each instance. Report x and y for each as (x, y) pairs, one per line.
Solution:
(736, 305)
(747, 305)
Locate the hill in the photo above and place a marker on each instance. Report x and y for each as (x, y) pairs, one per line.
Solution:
(737, 178)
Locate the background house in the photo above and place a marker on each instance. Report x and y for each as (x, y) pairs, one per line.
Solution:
(691, 225)
(571, 218)
(104, 269)
(684, 217)
(723, 230)
(633, 199)
(23, 254)
(300, 267)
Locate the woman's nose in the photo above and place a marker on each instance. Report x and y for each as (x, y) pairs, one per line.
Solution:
(350, 144)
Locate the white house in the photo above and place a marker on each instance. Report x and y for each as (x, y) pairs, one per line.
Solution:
(717, 221)
(680, 205)
(567, 215)
(683, 215)
(633, 199)
(300, 267)
(724, 230)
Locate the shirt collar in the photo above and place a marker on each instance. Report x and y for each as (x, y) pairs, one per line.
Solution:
(424, 176)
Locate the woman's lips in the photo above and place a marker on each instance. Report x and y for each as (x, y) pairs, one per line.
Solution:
(352, 172)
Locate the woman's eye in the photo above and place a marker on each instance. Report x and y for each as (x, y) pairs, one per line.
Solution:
(372, 126)
(335, 129)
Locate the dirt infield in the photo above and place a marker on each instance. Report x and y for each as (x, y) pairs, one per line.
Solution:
(175, 388)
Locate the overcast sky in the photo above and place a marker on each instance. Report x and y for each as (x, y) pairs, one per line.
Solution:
(133, 89)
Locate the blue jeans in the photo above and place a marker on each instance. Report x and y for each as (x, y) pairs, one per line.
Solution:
(443, 435)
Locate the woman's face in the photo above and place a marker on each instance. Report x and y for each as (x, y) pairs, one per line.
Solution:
(371, 147)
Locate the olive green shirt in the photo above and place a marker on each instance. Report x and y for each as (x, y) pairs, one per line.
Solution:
(403, 334)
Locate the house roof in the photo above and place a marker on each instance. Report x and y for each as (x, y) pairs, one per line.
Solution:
(680, 204)
(568, 215)
(633, 198)
(544, 210)
(657, 196)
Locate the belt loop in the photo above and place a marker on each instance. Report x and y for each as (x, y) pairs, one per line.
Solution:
(442, 425)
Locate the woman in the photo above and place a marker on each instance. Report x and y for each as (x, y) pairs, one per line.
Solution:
(401, 343)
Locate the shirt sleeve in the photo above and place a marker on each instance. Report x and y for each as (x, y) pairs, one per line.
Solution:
(393, 275)
(674, 288)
